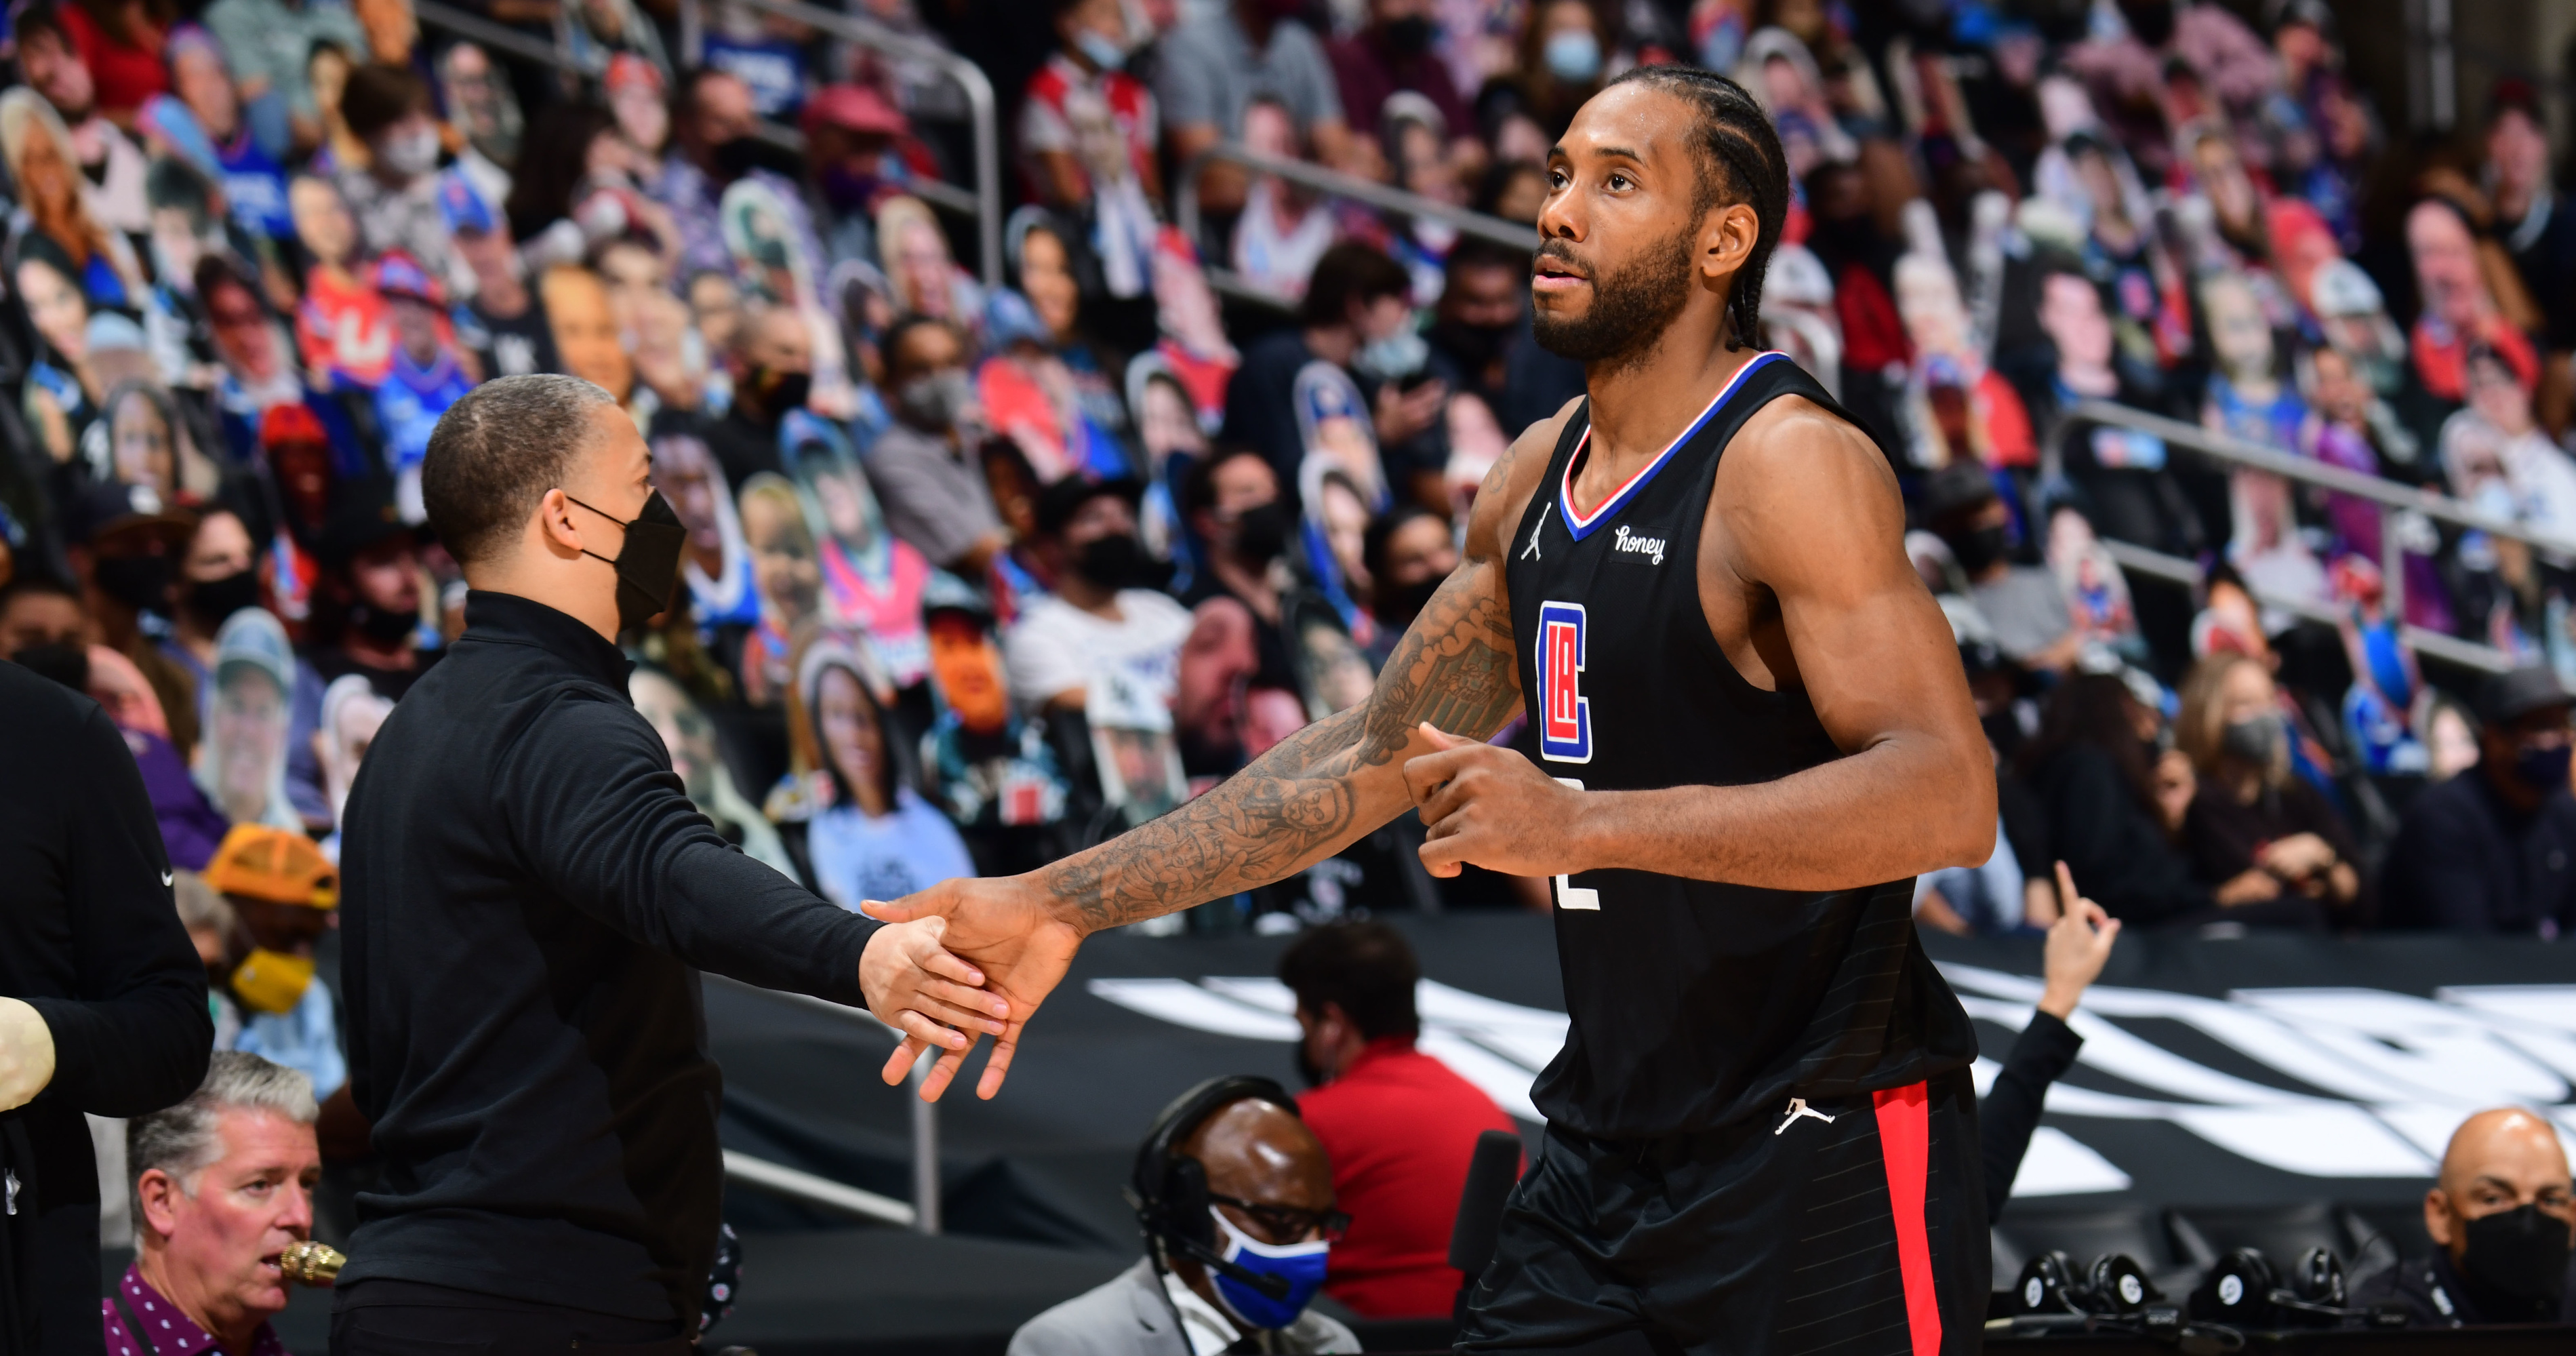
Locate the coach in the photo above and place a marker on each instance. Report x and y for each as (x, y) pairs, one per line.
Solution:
(527, 895)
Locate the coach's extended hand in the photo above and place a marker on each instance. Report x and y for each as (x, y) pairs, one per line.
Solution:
(1018, 948)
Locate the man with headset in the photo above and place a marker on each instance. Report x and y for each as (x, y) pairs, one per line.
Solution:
(1235, 1197)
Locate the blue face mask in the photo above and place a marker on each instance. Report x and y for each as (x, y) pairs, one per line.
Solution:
(1301, 1264)
(1398, 355)
(1574, 55)
(1100, 51)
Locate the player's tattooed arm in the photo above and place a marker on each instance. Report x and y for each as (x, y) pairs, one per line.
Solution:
(1320, 789)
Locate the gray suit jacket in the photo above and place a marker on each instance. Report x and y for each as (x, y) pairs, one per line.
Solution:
(1128, 1315)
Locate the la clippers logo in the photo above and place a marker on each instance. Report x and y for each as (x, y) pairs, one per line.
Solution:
(1565, 714)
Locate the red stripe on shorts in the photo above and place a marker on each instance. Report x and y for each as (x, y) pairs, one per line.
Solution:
(1905, 1139)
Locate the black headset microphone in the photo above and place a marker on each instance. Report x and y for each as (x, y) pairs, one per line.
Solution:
(1170, 1191)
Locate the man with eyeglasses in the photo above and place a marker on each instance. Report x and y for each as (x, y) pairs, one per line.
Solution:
(2494, 848)
(1270, 1188)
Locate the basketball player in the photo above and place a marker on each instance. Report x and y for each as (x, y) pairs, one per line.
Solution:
(1752, 729)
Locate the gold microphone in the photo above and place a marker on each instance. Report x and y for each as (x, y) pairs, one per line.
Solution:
(311, 1263)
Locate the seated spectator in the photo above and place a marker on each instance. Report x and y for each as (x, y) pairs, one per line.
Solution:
(1231, 504)
(690, 738)
(283, 892)
(2460, 312)
(342, 327)
(2078, 946)
(2490, 849)
(1353, 348)
(222, 1183)
(500, 322)
(366, 613)
(934, 493)
(2110, 815)
(1409, 552)
(1392, 53)
(2027, 609)
(124, 545)
(1252, 1165)
(424, 376)
(58, 206)
(2256, 833)
(987, 764)
(1480, 335)
(876, 838)
(1105, 643)
(268, 43)
(395, 196)
(1399, 1125)
(37, 613)
(1212, 66)
(352, 712)
(1564, 59)
(52, 64)
(2500, 1216)
(1090, 133)
(770, 359)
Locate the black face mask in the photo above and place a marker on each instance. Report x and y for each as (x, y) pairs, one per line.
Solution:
(1474, 346)
(1261, 534)
(140, 582)
(1399, 606)
(64, 661)
(1116, 561)
(1979, 548)
(383, 626)
(648, 565)
(2542, 769)
(1409, 36)
(212, 600)
(776, 392)
(2254, 741)
(2520, 1253)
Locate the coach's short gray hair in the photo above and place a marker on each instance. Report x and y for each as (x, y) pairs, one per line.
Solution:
(183, 1140)
(497, 451)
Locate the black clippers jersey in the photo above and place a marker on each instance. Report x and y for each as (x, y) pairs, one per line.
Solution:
(1695, 1003)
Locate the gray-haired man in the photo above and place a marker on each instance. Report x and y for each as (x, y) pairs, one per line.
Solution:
(223, 1183)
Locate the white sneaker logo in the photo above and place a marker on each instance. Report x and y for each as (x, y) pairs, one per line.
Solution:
(1798, 1107)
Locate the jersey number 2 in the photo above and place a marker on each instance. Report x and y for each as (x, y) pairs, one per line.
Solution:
(1565, 714)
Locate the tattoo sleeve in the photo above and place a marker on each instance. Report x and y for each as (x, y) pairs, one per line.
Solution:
(1324, 786)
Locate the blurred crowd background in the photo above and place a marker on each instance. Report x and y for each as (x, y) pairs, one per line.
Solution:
(1036, 482)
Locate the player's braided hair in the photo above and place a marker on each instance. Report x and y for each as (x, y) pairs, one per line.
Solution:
(1744, 161)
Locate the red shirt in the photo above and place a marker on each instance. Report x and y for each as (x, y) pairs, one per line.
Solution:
(122, 74)
(1401, 1129)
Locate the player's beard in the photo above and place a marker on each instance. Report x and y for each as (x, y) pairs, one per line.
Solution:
(1631, 306)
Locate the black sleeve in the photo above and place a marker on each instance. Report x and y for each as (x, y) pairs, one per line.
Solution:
(603, 823)
(2117, 854)
(2025, 827)
(136, 1038)
(2010, 1114)
(2436, 875)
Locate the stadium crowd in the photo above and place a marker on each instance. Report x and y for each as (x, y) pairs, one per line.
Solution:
(977, 575)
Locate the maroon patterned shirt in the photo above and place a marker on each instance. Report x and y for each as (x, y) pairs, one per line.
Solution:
(167, 1332)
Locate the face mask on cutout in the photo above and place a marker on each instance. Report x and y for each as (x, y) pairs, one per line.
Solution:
(1099, 49)
(414, 152)
(383, 625)
(2520, 1252)
(1573, 56)
(1409, 36)
(1300, 1264)
(272, 981)
(936, 401)
(1261, 534)
(648, 565)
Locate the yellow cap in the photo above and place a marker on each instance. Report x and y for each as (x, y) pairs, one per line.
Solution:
(277, 865)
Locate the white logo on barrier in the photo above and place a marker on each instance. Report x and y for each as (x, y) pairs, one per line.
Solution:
(2231, 1289)
(2357, 1082)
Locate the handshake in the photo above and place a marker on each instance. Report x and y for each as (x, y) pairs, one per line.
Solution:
(962, 960)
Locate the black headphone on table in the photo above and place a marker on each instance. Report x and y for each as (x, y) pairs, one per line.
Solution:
(1170, 1190)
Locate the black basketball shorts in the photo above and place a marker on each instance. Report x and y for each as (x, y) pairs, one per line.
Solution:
(1854, 1227)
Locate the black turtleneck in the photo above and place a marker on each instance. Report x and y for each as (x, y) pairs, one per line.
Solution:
(527, 898)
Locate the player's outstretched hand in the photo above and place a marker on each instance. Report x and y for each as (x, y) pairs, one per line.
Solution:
(1489, 806)
(1005, 929)
(929, 996)
(2078, 946)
